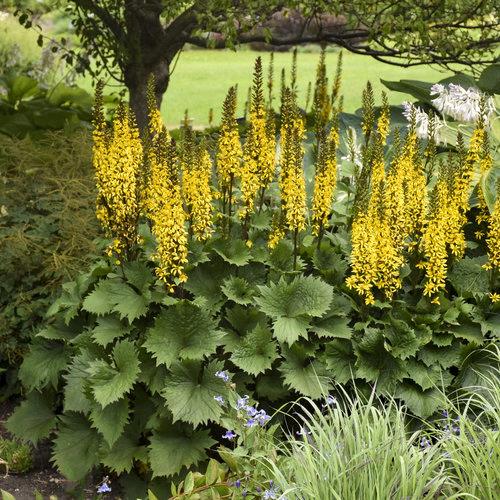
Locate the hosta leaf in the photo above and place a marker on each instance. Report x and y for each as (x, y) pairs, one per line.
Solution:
(468, 276)
(333, 326)
(304, 296)
(110, 382)
(108, 329)
(43, 364)
(76, 383)
(183, 331)
(290, 329)
(170, 451)
(419, 402)
(33, 419)
(340, 360)
(113, 295)
(110, 421)
(190, 389)
(238, 290)
(307, 376)
(76, 447)
(120, 458)
(256, 351)
(233, 251)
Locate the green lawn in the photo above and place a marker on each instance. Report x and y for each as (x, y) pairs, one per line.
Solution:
(201, 79)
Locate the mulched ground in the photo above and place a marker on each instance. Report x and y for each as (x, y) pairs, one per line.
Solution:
(43, 477)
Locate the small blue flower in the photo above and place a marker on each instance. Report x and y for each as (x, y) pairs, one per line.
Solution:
(251, 411)
(444, 413)
(270, 493)
(237, 483)
(244, 493)
(229, 435)
(425, 443)
(263, 417)
(241, 403)
(251, 422)
(104, 487)
(303, 432)
(330, 401)
(223, 375)
(219, 400)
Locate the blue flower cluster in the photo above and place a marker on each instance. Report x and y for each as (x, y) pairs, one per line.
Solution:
(222, 375)
(104, 487)
(255, 417)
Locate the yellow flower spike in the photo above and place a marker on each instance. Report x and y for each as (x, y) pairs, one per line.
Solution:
(258, 169)
(322, 104)
(383, 122)
(493, 238)
(325, 181)
(229, 152)
(118, 162)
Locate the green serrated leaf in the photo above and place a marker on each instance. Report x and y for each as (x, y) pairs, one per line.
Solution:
(302, 373)
(402, 341)
(190, 390)
(427, 376)
(238, 290)
(33, 419)
(468, 276)
(244, 319)
(120, 458)
(333, 326)
(256, 351)
(43, 364)
(468, 330)
(109, 383)
(169, 451)
(76, 447)
(138, 274)
(445, 356)
(76, 384)
(113, 295)
(340, 360)
(108, 329)
(183, 331)
(270, 386)
(420, 403)
(375, 364)
(233, 251)
(288, 330)
(110, 421)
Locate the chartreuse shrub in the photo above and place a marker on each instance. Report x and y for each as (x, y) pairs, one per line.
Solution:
(47, 228)
(234, 260)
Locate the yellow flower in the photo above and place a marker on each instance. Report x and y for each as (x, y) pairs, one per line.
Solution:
(495, 297)
(196, 166)
(229, 151)
(258, 169)
(325, 181)
(118, 161)
(383, 121)
(493, 238)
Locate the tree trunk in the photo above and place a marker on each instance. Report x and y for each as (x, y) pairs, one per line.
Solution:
(136, 80)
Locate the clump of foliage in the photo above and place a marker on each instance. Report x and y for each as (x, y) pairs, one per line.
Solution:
(197, 282)
(15, 456)
(47, 227)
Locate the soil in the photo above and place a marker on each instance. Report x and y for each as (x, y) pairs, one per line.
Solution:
(43, 477)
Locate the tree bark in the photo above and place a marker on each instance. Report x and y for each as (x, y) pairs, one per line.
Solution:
(136, 80)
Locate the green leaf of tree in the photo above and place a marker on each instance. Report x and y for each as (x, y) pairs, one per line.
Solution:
(182, 331)
(303, 373)
(190, 390)
(43, 364)
(110, 421)
(110, 382)
(108, 329)
(256, 351)
(113, 295)
(76, 447)
(33, 419)
(169, 451)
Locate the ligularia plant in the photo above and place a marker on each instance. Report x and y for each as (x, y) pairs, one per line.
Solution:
(461, 104)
